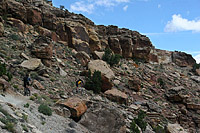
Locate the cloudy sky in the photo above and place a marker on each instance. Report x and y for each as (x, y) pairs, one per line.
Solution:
(170, 24)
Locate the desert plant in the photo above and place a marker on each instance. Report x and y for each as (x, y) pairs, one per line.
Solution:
(195, 66)
(94, 82)
(111, 58)
(15, 37)
(134, 128)
(140, 120)
(26, 105)
(24, 128)
(161, 82)
(45, 109)
(2, 69)
(159, 129)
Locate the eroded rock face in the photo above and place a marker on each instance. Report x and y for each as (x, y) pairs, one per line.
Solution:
(42, 48)
(103, 119)
(115, 45)
(134, 84)
(34, 16)
(76, 106)
(117, 96)
(182, 59)
(3, 84)
(177, 94)
(17, 10)
(127, 46)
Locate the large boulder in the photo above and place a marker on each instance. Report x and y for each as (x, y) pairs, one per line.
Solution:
(42, 48)
(177, 94)
(17, 23)
(183, 59)
(34, 16)
(175, 128)
(101, 118)
(115, 45)
(134, 84)
(31, 64)
(1, 29)
(117, 96)
(106, 84)
(38, 85)
(83, 58)
(17, 10)
(99, 65)
(76, 106)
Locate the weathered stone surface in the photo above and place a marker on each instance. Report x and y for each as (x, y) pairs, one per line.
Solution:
(1, 29)
(94, 41)
(31, 64)
(17, 23)
(103, 119)
(182, 59)
(177, 94)
(196, 78)
(198, 72)
(34, 16)
(106, 84)
(83, 57)
(134, 84)
(127, 46)
(37, 85)
(117, 96)
(17, 10)
(4, 84)
(99, 65)
(76, 106)
(45, 32)
(193, 106)
(62, 72)
(98, 55)
(115, 45)
(42, 48)
(141, 46)
(80, 45)
(175, 128)
(112, 30)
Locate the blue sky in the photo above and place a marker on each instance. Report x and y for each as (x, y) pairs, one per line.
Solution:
(170, 24)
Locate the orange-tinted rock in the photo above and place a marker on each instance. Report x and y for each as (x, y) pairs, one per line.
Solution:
(76, 106)
(38, 85)
(193, 106)
(106, 84)
(117, 96)
(34, 16)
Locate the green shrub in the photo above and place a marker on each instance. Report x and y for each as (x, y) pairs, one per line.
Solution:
(10, 127)
(195, 66)
(45, 109)
(94, 82)
(26, 105)
(159, 129)
(25, 117)
(134, 128)
(161, 82)
(24, 127)
(140, 120)
(2, 69)
(111, 58)
(15, 37)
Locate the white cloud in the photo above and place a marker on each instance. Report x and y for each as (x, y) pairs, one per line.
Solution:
(81, 6)
(181, 24)
(90, 5)
(159, 5)
(125, 8)
(197, 58)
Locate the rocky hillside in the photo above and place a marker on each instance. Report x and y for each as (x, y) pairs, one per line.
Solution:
(148, 90)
